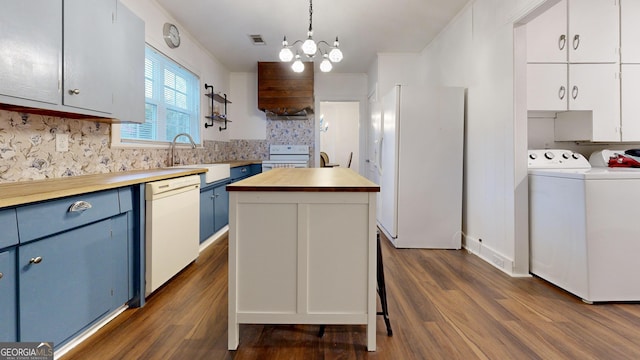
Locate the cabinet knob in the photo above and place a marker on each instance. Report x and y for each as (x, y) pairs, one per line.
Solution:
(74, 91)
(243, 170)
(574, 92)
(562, 92)
(36, 260)
(576, 41)
(1, 275)
(562, 41)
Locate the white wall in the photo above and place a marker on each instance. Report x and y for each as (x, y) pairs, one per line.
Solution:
(476, 51)
(189, 54)
(249, 122)
(343, 133)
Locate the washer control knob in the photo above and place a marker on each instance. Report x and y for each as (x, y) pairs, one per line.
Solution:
(566, 156)
(575, 156)
(549, 155)
(533, 156)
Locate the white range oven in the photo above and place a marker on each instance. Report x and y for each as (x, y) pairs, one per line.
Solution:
(286, 156)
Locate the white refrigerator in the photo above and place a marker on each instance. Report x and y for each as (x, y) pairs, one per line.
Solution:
(420, 163)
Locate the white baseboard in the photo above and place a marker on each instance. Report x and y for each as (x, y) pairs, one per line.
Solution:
(87, 333)
(213, 238)
(489, 255)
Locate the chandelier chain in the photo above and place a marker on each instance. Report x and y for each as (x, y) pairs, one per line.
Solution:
(310, 15)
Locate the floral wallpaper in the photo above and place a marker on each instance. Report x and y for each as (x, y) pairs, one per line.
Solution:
(28, 147)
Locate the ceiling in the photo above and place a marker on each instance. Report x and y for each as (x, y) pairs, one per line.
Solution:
(364, 27)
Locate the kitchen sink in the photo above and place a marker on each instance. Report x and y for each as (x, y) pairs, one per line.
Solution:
(215, 172)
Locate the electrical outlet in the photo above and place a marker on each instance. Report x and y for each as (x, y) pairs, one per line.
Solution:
(62, 142)
(216, 147)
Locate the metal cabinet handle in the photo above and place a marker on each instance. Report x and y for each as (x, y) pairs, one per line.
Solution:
(576, 41)
(1, 275)
(574, 92)
(562, 41)
(243, 170)
(74, 91)
(562, 92)
(79, 206)
(36, 260)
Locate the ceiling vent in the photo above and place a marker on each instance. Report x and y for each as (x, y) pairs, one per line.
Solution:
(257, 40)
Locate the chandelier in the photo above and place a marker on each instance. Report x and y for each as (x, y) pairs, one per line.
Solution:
(309, 48)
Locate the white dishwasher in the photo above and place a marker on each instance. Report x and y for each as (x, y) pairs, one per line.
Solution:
(172, 228)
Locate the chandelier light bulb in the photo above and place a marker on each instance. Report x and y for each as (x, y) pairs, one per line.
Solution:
(335, 55)
(309, 47)
(298, 65)
(325, 65)
(286, 54)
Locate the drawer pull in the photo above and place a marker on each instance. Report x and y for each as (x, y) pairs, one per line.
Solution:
(36, 260)
(1, 275)
(79, 206)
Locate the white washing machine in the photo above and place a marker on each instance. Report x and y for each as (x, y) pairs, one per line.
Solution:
(584, 226)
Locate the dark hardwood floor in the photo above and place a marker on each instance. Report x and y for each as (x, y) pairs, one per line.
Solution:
(443, 304)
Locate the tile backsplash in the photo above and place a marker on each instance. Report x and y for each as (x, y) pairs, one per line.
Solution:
(28, 147)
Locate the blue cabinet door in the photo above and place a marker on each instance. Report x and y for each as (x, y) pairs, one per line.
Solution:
(119, 246)
(221, 207)
(65, 282)
(8, 305)
(206, 214)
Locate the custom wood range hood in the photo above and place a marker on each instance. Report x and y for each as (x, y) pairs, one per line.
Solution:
(284, 94)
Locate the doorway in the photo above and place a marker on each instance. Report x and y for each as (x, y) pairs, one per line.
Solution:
(339, 127)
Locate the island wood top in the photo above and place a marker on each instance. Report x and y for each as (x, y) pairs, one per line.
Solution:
(306, 180)
(23, 192)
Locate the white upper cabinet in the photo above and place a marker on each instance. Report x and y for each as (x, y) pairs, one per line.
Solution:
(547, 87)
(88, 54)
(31, 50)
(575, 31)
(630, 31)
(547, 36)
(594, 31)
(630, 98)
(594, 100)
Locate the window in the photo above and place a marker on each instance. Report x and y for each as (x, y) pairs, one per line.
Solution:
(172, 102)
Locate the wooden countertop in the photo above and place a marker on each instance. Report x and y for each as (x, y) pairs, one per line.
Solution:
(306, 180)
(23, 192)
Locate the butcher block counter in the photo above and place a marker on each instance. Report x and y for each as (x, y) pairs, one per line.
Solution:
(302, 250)
(23, 192)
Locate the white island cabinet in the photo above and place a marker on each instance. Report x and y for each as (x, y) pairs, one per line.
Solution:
(302, 250)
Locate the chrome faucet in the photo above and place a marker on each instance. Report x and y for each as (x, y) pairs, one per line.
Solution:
(172, 162)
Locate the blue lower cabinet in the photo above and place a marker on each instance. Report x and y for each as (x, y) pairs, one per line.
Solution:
(66, 282)
(8, 304)
(120, 265)
(220, 207)
(206, 214)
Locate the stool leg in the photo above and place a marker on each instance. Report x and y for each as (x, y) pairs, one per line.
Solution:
(321, 331)
(382, 290)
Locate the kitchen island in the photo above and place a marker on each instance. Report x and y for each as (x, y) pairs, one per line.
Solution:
(302, 250)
